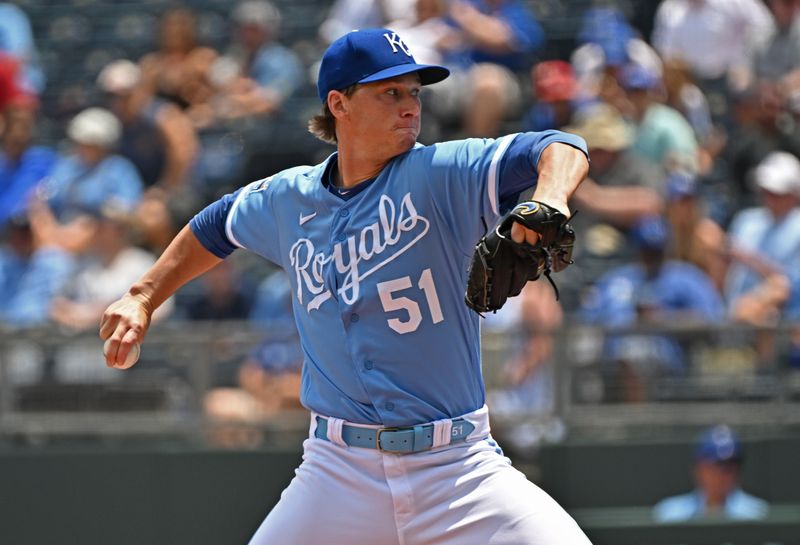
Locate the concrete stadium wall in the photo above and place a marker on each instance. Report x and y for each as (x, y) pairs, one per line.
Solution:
(138, 497)
(186, 497)
(600, 475)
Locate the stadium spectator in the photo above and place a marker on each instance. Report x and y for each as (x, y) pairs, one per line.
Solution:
(554, 91)
(272, 372)
(621, 188)
(157, 136)
(606, 43)
(701, 241)
(777, 62)
(252, 80)
(179, 70)
(663, 136)
(696, 239)
(161, 142)
(487, 46)
(257, 73)
(656, 291)
(526, 388)
(717, 493)
(12, 94)
(105, 268)
(770, 231)
(614, 162)
(345, 15)
(22, 164)
(89, 178)
(33, 270)
(17, 43)
(776, 74)
(684, 96)
(497, 41)
(268, 380)
(714, 38)
(761, 126)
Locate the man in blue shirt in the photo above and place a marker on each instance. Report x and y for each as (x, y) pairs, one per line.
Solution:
(87, 180)
(376, 241)
(273, 70)
(92, 176)
(653, 290)
(718, 459)
(33, 270)
(661, 288)
(771, 231)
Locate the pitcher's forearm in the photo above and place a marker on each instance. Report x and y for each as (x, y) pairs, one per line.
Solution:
(561, 170)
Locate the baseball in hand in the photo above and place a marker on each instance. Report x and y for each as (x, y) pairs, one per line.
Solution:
(133, 355)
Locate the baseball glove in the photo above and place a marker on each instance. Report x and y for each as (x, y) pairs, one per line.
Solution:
(501, 267)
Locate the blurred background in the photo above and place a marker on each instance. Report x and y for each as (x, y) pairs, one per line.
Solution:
(658, 400)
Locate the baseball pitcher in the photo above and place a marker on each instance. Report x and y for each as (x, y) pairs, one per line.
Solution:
(379, 241)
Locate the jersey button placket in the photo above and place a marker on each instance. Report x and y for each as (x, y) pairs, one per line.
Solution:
(341, 224)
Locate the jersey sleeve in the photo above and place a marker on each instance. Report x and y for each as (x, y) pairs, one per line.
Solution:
(470, 178)
(519, 165)
(242, 219)
(209, 226)
(463, 179)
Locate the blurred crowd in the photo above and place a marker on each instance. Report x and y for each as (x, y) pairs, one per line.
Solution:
(691, 214)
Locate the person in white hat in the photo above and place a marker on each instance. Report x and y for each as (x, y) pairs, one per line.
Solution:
(772, 230)
(89, 177)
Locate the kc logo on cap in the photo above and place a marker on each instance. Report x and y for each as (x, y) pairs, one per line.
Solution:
(362, 56)
(395, 41)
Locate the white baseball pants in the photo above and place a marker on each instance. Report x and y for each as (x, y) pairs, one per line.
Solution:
(462, 494)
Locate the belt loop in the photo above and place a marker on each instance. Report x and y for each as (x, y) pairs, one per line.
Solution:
(334, 432)
(419, 438)
(441, 432)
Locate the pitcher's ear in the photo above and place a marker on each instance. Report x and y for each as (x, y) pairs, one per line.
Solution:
(337, 103)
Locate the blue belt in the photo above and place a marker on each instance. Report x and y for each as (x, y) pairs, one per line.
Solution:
(398, 440)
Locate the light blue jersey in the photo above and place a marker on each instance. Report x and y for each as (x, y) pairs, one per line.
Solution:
(739, 505)
(378, 277)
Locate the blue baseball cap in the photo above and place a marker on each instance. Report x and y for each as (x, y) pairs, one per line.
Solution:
(651, 233)
(719, 444)
(373, 54)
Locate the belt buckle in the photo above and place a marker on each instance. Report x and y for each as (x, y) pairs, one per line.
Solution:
(378, 438)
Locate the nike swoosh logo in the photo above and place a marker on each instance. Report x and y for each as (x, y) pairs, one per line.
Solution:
(306, 218)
